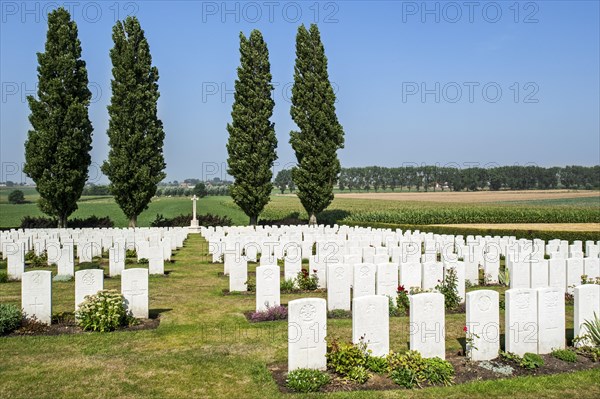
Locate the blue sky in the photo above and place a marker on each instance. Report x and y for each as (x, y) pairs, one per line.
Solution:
(447, 83)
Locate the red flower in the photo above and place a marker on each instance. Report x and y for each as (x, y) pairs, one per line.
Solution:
(401, 289)
(465, 329)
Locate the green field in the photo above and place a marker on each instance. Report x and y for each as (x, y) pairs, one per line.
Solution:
(205, 348)
(342, 210)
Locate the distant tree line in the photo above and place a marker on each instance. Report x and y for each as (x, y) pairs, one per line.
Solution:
(436, 178)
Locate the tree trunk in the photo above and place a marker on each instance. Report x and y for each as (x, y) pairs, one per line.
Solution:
(133, 221)
(312, 220)
(62, 222)
(253, 220)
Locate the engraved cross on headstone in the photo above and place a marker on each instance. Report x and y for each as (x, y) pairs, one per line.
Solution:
(35, 304)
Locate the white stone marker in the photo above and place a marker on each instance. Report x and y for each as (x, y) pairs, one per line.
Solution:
(591, 268)
(491, 268)
(307, 328)
(116, 260)
(557, 273)
(15, 253)
(551, 319)
(36, 295)
(134, 287)
(66, 262)
(587, 301)
(371, 323)
(483, 324)
(267, 287)
(538, 276)
(238, 275)
(459, 268)
(433, 274)
(387, 280)
(292, 266)
(574, 273)
(410, 275)
(317, 262)
(521, 329)
(427, 325)
(338, 290)
(520, 274)
(364, 279)
(156, 261)
(472, 271)
(87, 282)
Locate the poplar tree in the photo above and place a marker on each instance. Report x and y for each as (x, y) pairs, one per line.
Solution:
(135, 162)
(320, 134)
(252, 141)
(57, 149)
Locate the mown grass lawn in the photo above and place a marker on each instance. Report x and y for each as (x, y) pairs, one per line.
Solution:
(205, 348)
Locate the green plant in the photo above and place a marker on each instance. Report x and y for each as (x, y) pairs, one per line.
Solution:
(3, 277)
(438, 371)
(565, 355)
(449, 288)
(411, 369)
(251, 284)
(593, 328)
(131, 253)
(36, 260)
(142, 261)
(376, 364)
(470, 342)
(10, 318)
(287, 285)
(16, 197)
(504, 277)
(104, 311)
(348, 359)
(307, 282)
(531, 361)
(404, 377)
(339, 314)
(402, 301)
(306, 380)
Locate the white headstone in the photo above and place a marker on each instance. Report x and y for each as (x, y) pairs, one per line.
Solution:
(292, 266)
(520, 274)
(66, 263)
(491, 268)
(539, 273)
(36, 295)
(587, 302)
(156, 260)
(15, 253)
(551, 319)
(483, 324)
(557, 273)
(364, 279)
(307, 328)
(472, 272)
(238, 274)
(371, 323)
(427, 325)
(521, 329)
(387, 280)
(338, 290)
(591, 268)
(433, 274)
(574, 273)
(410, 275)
(87, 282)
(134, 287)
(267, 287)
(116, 260)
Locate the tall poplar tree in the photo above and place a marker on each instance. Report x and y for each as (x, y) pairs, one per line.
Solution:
(252, 141)
(135, 161)
(320, 134)
(57, 150)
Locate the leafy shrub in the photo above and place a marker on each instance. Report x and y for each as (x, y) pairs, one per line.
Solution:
(449, 288)
(565, 355)
(306, 380)
(411, 369)
(36, 260)
(142, 261)
(531, 361)
(402, 301)
(131, 253)
(29, 222)
(3, 277)
(307, 282)
(271, 314)
(16, 197)
(251, 284)
(10, 318)
(376, 364)
(593, 328)
(287, 285)
(348, 360)
(339, 314)
(185, 220)
(102, 312)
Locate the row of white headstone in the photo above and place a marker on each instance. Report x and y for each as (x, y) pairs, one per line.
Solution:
(534, 322)
(36, 291)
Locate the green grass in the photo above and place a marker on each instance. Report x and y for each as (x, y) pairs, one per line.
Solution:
(205, 348)
(562, 202)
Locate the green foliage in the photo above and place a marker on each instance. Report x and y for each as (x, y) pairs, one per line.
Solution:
(449, 288)
(320, 134)
(593, 330)
(287, 285)
(376, 364)
(185, 220)
(504, 277)
(402, 301)
(30, 222)
(135, 160)
(252, 141)
(306, 281)
(3, 277)
(16, 197)
(531, 361)
(57, 150)
(251, 284)
(284, 181)
(10, 318)
(131, 253)
(410, 370)
(102, 312)
(565, 355)
(339, 314)
(306, 380)
(348, 360)
(200, 190)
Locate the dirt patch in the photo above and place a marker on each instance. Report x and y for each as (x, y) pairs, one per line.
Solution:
(593, 227)
(473, 197)
(67, 325)
(464, 372)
